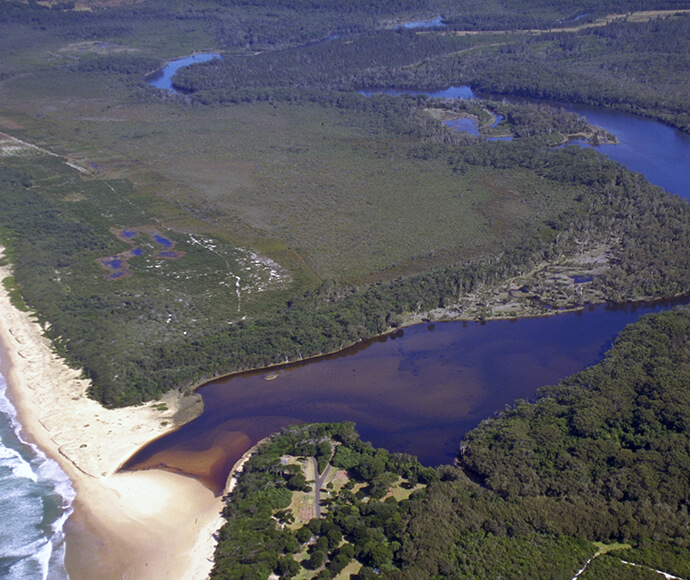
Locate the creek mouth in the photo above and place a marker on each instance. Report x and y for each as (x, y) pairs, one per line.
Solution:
(418, 390)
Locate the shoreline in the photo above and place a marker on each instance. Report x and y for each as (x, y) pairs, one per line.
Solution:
(123, 524)
(438, 315)
(238, 468)
(128, 524)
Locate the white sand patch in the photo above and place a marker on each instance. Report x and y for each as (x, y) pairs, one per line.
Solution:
(144, 525)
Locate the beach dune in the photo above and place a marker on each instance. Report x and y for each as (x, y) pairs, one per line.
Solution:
(141, 525)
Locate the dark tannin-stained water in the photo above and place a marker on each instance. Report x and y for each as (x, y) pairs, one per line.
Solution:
(420, 390)
(659, 152)
(415, 391)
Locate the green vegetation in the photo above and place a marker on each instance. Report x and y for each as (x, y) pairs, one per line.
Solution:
(659, 556)
(634, 66)
(594, 431)
(306, 217)
(612, 567)
(179, 310)
(60, 228)
(309, 216)
(600, 459)
(14, 293)
(257, 540)
(638, 67)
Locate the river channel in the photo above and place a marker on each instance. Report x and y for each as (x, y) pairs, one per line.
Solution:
(162, 79)
(419, 390)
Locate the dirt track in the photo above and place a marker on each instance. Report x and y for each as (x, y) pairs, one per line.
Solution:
(641, 16)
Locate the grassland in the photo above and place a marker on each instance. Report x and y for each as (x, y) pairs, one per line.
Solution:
(265, 202)
(317, 189)
(312, 184)
(305, 217)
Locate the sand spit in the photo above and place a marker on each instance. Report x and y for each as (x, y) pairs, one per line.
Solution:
(139, 525)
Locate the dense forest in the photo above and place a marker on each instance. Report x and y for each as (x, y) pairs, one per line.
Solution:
(276, 209)
(635, 66)
(274, 23)
(325, 319)
(601, 457)
(353, 45)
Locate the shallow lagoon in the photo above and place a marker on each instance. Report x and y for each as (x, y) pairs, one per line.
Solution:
(417, 390)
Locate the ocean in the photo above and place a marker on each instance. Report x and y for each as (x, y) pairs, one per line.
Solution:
(35, 501)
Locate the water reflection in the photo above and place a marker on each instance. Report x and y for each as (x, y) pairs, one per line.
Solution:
(459, 92)
(660, 152)
(432, 23)
(463, 124)
(420, 390)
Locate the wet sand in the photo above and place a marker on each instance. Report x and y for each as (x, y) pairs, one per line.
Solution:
(145, 525)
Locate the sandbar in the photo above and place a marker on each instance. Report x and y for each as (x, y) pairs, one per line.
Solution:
(143, 525)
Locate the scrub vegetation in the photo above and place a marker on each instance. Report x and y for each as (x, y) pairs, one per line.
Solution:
(306, 216)
(271, 212)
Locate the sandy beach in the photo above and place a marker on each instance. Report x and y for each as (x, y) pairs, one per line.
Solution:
(136, 525)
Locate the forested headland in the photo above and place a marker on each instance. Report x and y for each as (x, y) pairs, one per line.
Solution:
(601, 457)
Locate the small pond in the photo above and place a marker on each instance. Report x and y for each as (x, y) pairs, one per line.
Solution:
(432, 23)
(463, 124)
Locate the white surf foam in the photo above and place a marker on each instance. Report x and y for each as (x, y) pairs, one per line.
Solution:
(37, 499)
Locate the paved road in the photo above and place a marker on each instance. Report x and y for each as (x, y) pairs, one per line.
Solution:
(318, 482)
